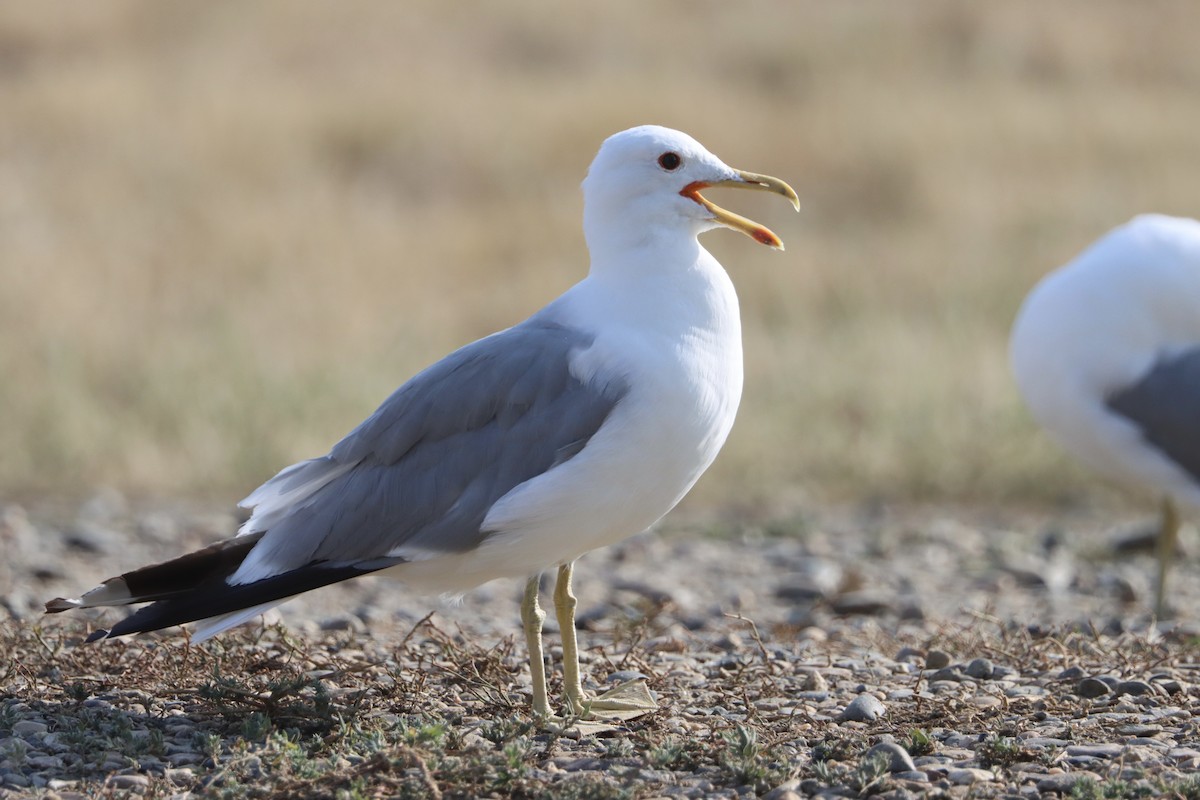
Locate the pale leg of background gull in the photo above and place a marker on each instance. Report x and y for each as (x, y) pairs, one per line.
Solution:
(1168, 535)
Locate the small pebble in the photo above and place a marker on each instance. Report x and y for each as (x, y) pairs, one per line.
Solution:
(784, 791)
(181, 776)
(1090, 688)
(937, 659)
(1063, 782)
(899, 759)
(979, 668)
(129, 781)
(1133, 688)
(28, 727)
(914, 775)
(864, 708)
(1096, 750)
(343, 622)
(813, 681)
(185, 758)
(862, 603)
(966, 777)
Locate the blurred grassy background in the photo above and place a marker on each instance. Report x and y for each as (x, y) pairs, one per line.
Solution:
(228, 230)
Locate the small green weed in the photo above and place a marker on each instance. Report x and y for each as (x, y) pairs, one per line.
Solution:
(619, 748)
(676, 753)
(1002, 751)
(865, 777)
(16, 751)
(256, 727)
(743, 758)
(1087, 788)
(919, 743)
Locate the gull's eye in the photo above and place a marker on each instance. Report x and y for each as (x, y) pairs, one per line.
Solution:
(670, 161)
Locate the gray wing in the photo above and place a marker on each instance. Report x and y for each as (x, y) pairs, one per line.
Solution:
(1165, 404)
(426, 467)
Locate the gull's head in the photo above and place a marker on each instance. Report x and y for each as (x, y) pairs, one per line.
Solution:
(650, 178)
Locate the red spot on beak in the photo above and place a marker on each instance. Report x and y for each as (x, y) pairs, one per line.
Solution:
(764, 236)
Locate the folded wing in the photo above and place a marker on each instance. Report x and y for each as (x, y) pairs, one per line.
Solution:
(414, 480)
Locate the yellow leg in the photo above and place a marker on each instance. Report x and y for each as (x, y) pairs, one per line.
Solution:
(532, 618)
(564, 609)
(629, 700)
(1168, 535)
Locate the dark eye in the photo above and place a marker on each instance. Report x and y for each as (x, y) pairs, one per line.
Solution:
(670, 161)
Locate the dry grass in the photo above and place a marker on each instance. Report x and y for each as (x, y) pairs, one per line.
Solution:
(228, 230)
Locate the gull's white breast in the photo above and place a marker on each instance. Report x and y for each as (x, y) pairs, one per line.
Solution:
(678, 349)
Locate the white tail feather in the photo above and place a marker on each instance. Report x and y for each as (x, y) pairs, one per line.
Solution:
(207, 628)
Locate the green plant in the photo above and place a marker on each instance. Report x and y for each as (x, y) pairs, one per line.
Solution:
(16, 751)
(256, 726)
(513, 767)
(586, 788)
(675, 753)
(1087, 788)
(208, 743)
(422, 733)
(865, 776)
(1187, 788)
(9, 716)
(154, 742)
(1001, 751)
(743, 758)
(919, 743)
(619, 747)
(504, 729)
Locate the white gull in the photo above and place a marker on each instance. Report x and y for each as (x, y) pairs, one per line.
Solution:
(1106, 352)
(580, 426)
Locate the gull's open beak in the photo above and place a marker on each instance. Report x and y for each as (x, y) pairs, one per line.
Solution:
(745, 180)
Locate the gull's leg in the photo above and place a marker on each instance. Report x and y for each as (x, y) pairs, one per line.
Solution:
(629, 700)
(564, 609)
(532, 618)
(1168, 535)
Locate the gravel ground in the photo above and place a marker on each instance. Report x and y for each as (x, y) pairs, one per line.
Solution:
(849, 652)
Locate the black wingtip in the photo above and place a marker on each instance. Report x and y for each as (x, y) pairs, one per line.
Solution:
(219, 597)
(96, 636)
(61, 604)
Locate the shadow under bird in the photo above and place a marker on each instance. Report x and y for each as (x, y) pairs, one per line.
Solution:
(576, 428)
(1106, 353)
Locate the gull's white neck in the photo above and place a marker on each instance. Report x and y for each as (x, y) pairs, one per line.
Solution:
(661, 279)
(665, 314)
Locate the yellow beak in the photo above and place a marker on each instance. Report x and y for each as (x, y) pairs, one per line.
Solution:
(745, 180)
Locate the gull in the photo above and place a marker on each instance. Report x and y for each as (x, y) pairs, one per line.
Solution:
(1106, 352)
(572, 430)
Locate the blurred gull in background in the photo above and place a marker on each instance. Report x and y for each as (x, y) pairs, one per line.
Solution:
(570, 431)
(1106, 352)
